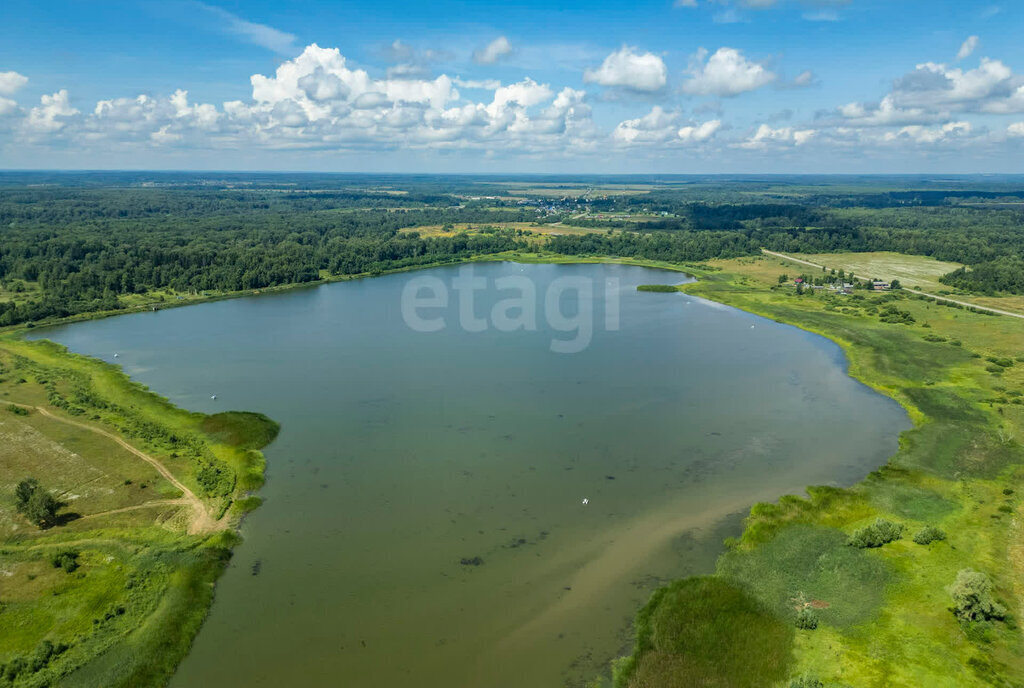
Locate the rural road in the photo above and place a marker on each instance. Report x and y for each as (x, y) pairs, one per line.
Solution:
(912, 291)
(202, 521)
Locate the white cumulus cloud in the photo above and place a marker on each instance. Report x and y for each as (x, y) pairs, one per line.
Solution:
(785, 136)
(700, 132)
(725, 73)
(992, 87)
(929, 135)
(53, 113)
(660, 126)
(11, 82)
(628, 69)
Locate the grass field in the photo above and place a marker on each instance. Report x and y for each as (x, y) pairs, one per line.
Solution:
(911, 271)
(470, 228)
(148, 516)
(883, 614)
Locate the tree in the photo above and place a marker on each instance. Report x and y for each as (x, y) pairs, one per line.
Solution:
(35, 503)
(25, 489)
(973, 599)
(895, 284)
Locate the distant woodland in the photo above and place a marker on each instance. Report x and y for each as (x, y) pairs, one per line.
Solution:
(78, 243)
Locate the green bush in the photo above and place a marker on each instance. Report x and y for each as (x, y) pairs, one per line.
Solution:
(806, 681)
(973, 599)
(928, 535)
(806, 619)
(892, 314)
(879, 533)
(67, 560)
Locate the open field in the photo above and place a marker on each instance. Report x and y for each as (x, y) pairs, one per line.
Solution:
(113, 591)
(471, 228)
(918, 273)
(911, 271)
(883, 614)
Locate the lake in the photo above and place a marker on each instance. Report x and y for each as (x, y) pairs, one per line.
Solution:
(424, 522)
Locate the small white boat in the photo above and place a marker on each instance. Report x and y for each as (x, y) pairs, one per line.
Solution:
(117, 355)
(586, 501)
(214, 397)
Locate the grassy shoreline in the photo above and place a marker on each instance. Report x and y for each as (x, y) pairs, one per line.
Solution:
(959, 468)
(148, 546)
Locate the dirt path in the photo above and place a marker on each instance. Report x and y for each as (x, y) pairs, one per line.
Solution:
(912, 291)
(202, 520)
(144, 505)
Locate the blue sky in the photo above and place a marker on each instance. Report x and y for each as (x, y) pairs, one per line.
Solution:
(698, 86)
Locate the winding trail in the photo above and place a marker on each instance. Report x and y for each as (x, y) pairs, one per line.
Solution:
(912, 291)
(202, 520)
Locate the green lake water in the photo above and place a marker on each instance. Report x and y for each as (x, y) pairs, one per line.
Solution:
(402, 453)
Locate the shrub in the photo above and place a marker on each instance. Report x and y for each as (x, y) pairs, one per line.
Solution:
(17, 410)
(806, 681)
(973, 599)
(806, 619)
(67, 560)
(15, 667)
(879, 533)
(928, 535)
(892, 314)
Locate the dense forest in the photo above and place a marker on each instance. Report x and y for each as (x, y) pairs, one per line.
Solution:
(78, 243)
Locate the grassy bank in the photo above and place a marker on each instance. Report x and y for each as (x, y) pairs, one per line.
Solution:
(882, 614)
(112, 591)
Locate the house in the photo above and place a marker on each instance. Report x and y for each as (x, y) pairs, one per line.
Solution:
(880, 286)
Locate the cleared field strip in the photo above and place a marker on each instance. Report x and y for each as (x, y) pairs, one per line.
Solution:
(915, 291)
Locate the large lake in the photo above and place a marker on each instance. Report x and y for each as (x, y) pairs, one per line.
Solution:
(405, 452)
